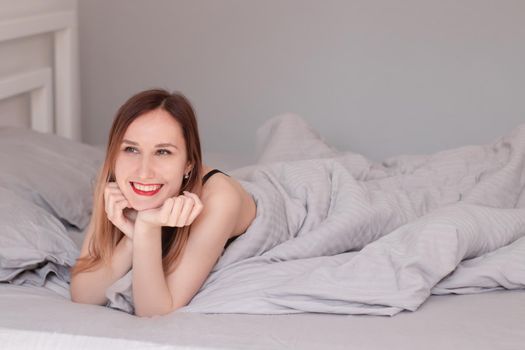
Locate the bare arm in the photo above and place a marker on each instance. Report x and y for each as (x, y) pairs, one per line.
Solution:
(90, 287)
(157, 294)
(150, 291)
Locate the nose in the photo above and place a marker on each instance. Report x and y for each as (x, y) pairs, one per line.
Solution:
(146, 170)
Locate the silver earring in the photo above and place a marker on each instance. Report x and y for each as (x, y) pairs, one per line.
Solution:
(186, 177)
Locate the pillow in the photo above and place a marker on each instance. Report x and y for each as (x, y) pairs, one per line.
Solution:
(53, 172)
(285, 137)
(30, 237)
(289, 137)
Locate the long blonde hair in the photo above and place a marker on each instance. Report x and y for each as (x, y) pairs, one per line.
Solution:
(105, 235)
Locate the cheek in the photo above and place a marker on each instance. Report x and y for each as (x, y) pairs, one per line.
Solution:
(172, 174)
(122, 167)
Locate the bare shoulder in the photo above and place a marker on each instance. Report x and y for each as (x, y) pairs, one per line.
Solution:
(220, 186)
(222, 190)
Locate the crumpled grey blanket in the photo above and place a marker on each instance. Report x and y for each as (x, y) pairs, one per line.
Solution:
(342, 234)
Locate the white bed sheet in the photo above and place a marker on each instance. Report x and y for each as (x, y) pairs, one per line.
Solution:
(37, 318)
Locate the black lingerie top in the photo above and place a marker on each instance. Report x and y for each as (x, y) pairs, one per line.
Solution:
(204, 179)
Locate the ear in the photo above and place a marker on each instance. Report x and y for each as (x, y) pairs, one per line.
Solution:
(189, 167)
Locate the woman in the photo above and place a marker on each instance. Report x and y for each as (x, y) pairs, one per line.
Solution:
(154, 210)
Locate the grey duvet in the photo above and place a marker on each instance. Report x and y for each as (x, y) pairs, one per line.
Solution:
(338, 233)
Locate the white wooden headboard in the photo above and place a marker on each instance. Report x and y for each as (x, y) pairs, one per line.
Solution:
(54, 91)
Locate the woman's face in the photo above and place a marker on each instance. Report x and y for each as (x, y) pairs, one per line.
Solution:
(151, 160)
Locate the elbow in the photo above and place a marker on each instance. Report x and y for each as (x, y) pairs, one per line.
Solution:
(87, 299)
(81, 295)
(153, 314)
(142, 312)
(74, 293)
(77, 297)
(147, 314)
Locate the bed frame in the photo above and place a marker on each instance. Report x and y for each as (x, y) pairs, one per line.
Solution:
(54, 91)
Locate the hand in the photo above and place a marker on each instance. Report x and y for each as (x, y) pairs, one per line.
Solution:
(177, 211)
(118, 209)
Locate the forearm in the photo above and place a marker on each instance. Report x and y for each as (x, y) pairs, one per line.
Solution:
(90, 287)
(151, 295)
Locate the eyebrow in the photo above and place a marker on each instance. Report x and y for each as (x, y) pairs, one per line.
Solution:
(159, 145)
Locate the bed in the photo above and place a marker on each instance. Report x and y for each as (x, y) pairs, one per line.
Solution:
(46, 181)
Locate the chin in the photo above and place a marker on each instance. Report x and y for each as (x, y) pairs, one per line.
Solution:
(146, 206)
(146, 203)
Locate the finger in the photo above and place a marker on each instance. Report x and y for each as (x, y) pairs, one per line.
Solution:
(194, 213)
(110, 200)
(196, 199)
(117, 196)
(114, 190)
(122, 222)
(111, 186)
(185, 212)
(118, 208)
(166, 210)
(119, 211)
(107, 192)
(111, 207)
(109, 204)
(175, 212)
(109, 189)
(113, 201)
(197, 208)
(119, 219)
(106, 199)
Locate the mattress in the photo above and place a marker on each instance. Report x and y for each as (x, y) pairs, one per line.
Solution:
(37, 318)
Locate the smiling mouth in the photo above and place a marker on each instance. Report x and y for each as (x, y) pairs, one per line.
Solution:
(145, 190)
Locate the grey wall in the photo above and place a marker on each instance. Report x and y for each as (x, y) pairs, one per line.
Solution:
(22, 55)
(376, 77)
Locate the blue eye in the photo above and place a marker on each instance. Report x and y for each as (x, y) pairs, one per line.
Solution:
(164, 152)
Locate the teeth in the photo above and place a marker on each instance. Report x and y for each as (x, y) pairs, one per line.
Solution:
(147, 188)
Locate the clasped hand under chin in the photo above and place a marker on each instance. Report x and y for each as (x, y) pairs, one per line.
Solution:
(178, 211)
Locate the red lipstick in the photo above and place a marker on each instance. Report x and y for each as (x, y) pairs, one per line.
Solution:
(145, 193)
